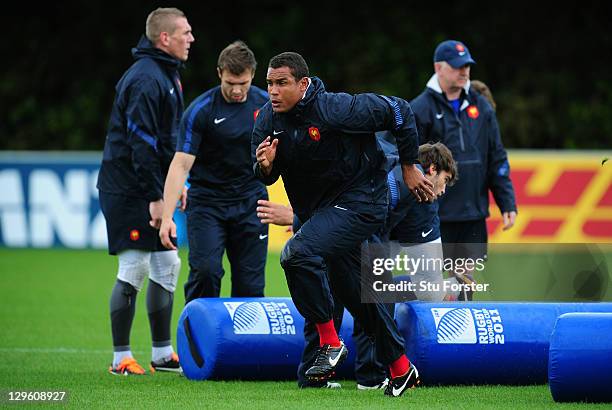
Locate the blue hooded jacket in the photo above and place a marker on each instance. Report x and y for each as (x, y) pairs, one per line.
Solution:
(143, 125)
(473, 138)
(327, 152)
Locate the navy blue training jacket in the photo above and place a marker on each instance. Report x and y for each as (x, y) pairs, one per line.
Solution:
(218, 133)
(327, 152)
(473, 138)
(143, 125)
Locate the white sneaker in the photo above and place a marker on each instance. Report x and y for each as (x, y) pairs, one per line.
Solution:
(378, 386)
(322, 385)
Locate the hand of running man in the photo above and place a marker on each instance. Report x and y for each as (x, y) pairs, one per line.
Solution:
(273, 213)
(416, 182)
(265, 154)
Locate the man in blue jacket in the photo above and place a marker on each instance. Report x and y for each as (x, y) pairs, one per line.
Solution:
(139, 146)
(410, 223)
(451, 112)
(324, 147)
(214, 149)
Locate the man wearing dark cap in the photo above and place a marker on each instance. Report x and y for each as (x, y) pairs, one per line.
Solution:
(449, 111)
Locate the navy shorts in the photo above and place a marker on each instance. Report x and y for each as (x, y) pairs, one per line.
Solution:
(465, 239)
(127, 224)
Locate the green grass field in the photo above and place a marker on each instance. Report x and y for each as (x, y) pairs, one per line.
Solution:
(55, 335)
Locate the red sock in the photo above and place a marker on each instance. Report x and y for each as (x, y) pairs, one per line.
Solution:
(327, 334)
(400, 366)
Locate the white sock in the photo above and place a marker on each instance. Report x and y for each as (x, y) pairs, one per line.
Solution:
(160, 353)
(119, 356)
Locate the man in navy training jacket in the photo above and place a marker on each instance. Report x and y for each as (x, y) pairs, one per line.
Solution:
(409, 222)
(323, 145)
(139, 146)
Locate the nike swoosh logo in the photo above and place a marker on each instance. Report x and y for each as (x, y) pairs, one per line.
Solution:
(172, 90)
(462, 53)
(277, 132)
(219, 120)
(439, 116)
(262, 236)
(334, 362)
(339, 207)
(397, 392)
(424, 234)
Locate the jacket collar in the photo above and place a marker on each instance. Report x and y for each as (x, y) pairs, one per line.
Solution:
(307, 87)
(434, 85)
(315, 87)
(146, 49)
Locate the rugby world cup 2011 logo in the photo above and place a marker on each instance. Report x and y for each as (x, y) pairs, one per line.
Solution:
(261, 318)
(468, 326)
(249, 318)
(454, 325)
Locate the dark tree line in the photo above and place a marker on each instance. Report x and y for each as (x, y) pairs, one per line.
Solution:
(549, 69)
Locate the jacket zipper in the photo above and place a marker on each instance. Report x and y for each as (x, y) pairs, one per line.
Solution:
(461, 141)
(460, 132)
